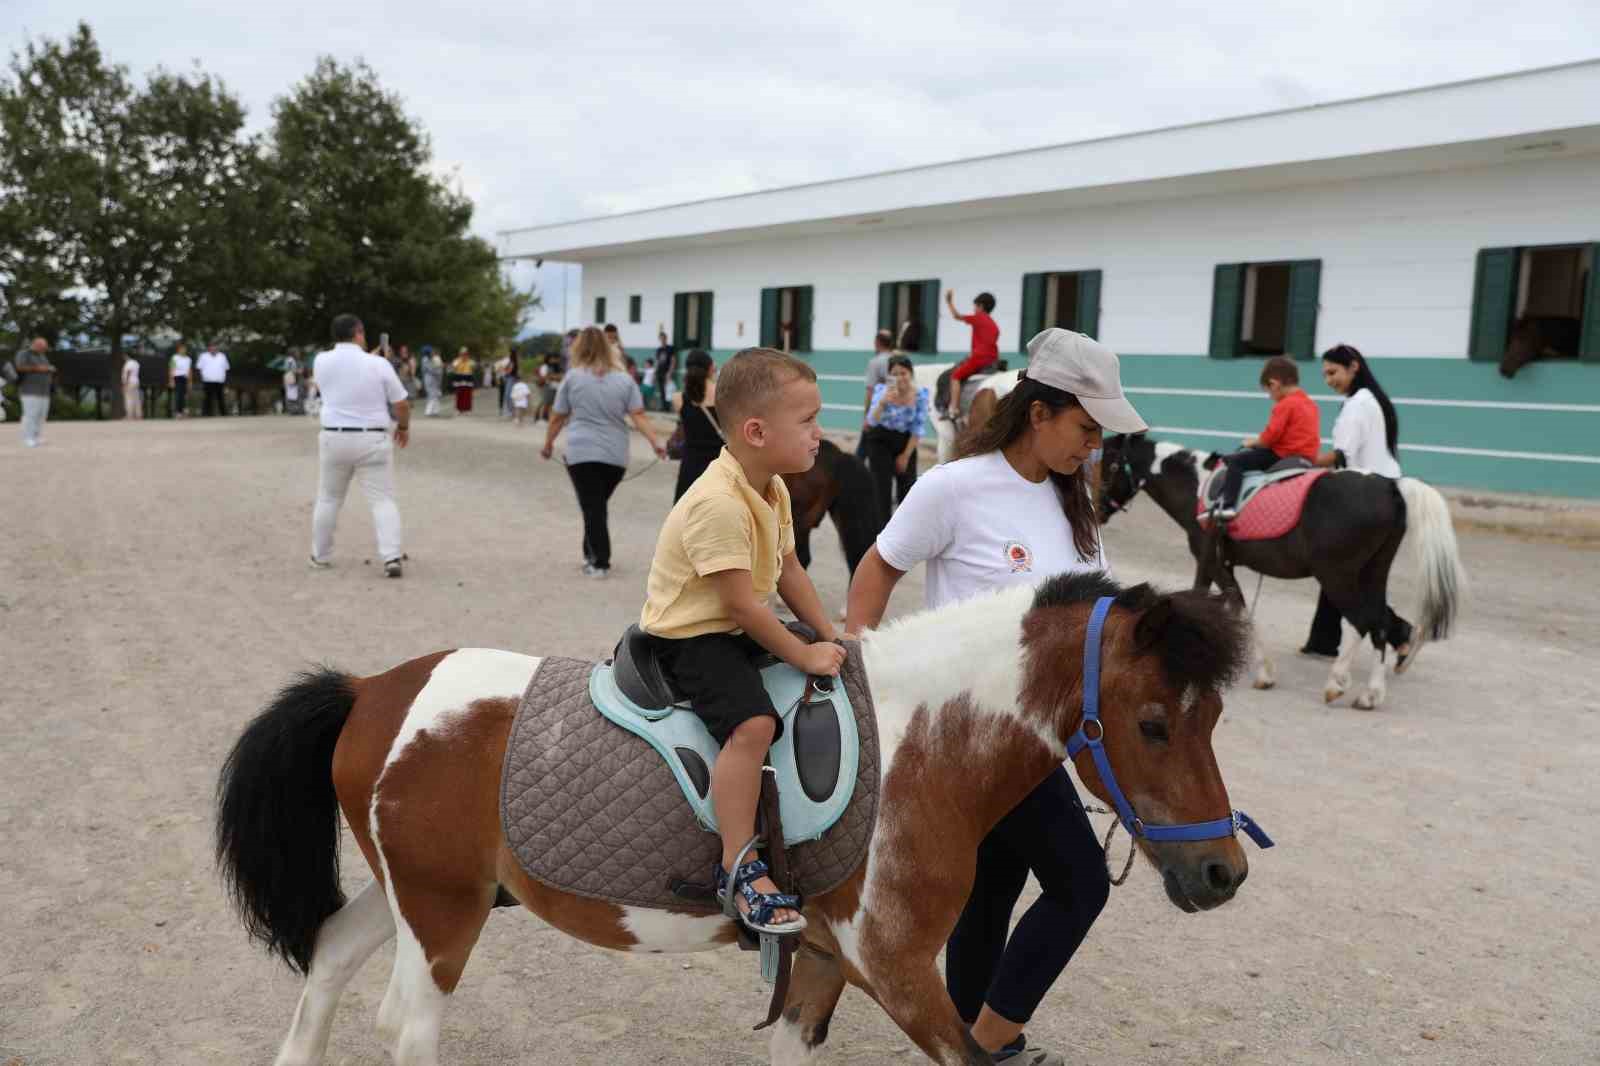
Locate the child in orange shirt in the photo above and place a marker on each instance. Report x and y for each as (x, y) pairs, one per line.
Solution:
(1295, 428)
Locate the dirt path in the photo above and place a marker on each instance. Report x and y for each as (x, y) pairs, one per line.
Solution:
(1433, 898)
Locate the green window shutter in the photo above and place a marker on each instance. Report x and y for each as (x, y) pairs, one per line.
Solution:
(1589, 339)
(930, 316)
(769, 318)
(1305, 285)
(635, 308)
(1032, 320)
(705, 321)
(886, 307)
(1494, 299)
(1089, 303)
(802, 316)
(599, 310)
(1227, 303)
(680, 319)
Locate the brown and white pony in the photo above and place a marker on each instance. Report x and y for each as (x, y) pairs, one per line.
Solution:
(992, 389)
(975, 704)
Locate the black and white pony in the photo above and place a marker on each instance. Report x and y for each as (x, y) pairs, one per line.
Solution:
(1349, 532)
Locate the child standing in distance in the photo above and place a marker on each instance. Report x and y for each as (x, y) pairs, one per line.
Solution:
(1295, 428)
(726, 546)
(985, 343)
(520, 394)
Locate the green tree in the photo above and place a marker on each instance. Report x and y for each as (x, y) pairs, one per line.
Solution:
(113, 192)
(367, 228)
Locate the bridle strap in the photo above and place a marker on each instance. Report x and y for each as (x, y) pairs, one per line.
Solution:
(1091, 724)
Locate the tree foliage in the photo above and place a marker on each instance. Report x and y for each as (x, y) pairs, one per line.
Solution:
(128, 209)
(365, 227)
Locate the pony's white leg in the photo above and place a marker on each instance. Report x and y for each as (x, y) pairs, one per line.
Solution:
(1266, 671)
(1339, 677)
(391, 1012)
(1372, 697)
(420, 1003)
(946, 431)
(345, 941)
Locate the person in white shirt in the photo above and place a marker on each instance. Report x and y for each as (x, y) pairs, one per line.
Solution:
(358, 389)
(132, 395)
(1366, 437)
(213, 368)
(1015, 509)
(520, 394)
(180, 372)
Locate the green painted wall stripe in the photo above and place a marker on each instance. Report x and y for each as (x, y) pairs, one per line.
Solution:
(1539, 432)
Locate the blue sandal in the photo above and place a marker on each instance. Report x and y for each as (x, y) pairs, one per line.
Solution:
(762, 904)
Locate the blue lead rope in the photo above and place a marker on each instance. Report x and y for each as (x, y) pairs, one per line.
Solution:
(1188, 831)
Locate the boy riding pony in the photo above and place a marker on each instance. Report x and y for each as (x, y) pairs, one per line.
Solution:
(1295, 428)
(724, 549)
(985, 345)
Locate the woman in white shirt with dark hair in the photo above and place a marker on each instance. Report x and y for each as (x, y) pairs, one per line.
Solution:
(1016, 508)
(1366, 437)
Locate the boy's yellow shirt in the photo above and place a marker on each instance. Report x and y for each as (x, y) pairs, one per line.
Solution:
(722, 523)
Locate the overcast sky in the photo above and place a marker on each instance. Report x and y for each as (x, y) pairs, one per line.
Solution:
(547, 112)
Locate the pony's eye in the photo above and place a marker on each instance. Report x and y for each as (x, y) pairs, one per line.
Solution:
(1154, 730)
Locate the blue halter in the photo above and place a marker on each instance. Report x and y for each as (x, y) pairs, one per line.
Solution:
(1212, 830)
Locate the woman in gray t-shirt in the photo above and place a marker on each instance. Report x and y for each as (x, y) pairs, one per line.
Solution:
(597, 401)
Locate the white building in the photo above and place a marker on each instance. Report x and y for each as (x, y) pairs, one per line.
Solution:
(1417, 226)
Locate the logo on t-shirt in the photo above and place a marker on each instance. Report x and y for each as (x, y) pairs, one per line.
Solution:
(1019, 557)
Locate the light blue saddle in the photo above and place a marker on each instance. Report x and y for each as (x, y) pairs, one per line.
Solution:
(816, 760)
(1254, 481)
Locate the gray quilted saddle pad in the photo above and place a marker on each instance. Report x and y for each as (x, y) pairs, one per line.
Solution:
(591, 809)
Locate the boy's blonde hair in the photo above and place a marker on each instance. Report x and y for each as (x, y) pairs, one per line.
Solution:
(751, 380)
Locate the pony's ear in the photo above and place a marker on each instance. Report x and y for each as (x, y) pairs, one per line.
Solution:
(1152, 625)
(1212, 460)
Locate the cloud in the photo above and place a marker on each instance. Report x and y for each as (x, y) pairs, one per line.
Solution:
(545, 112)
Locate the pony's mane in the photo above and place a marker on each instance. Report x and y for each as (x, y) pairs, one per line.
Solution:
(1203, 642)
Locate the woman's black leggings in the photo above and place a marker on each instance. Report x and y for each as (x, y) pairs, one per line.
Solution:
(882, 446)
(1048, 833)
(594, 484)
(1327, 629)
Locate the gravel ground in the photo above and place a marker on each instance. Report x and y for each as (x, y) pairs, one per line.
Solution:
(1433, 897)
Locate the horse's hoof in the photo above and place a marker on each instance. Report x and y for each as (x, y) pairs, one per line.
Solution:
(1264, 683)
(1364, 702)
(1330, 694)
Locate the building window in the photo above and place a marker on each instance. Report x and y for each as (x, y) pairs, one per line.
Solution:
(909, 310)
(1265, 309)
(1064, 300)
(786, 318)
(1536, 303)
(635, 308)
(691, 320)
(599, 310)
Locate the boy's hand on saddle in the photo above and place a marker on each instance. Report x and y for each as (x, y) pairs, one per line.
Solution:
(820, 660)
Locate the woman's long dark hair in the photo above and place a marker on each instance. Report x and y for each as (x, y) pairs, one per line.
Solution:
(1011, 421)
(696, 372)
(1346, 356)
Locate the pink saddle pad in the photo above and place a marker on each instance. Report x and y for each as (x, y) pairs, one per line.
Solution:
(1272, 512)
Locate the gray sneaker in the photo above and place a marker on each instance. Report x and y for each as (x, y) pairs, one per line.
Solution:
(391, 568)
(320, 564)
(1018, 1053)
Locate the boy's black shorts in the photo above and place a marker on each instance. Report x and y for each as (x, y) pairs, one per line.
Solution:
(717, 673)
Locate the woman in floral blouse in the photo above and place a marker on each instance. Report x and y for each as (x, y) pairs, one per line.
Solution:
(895, 421)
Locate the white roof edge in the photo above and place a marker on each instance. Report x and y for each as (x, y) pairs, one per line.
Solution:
(685, 228)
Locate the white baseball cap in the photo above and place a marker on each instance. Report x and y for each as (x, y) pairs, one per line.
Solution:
(1090, 371)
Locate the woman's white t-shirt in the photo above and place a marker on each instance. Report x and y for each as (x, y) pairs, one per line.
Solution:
(980, 526)
(1360, 433)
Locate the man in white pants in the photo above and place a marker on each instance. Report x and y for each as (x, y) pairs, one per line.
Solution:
(357, 389)
(34, 373)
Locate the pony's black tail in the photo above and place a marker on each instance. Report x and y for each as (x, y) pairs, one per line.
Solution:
(854, 511)
(278, 816)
